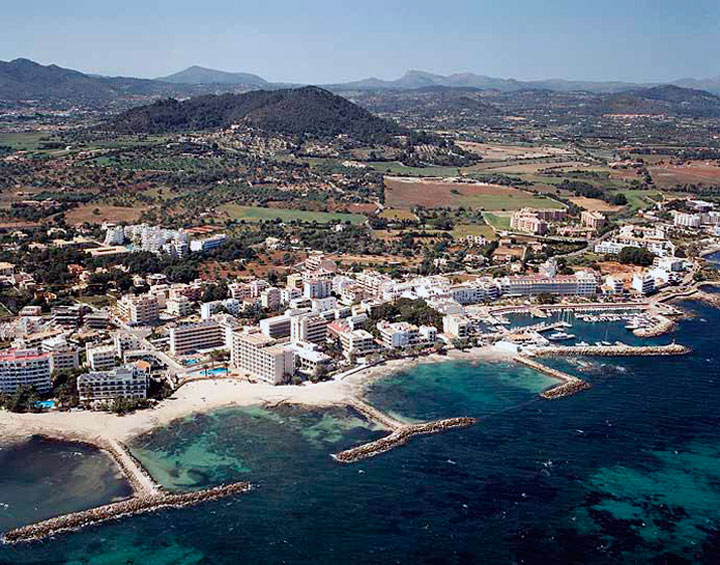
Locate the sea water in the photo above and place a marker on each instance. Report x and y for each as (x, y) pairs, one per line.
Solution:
(628, 470)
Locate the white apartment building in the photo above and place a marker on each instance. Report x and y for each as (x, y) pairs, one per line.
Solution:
(208, 243)
(138, 310)
(126, 342)
(63, 357)
(456, 326)
(317, 288)
(396, 335)
(581, 283)
(261, 357)
(643, 283)
(28, 367)
(688, 220)
(270, 298)
(194, 337)
(180, 306)
(121, 382)
(101, 358)
(309, 327)
(230, 305)
(308, 359)
(276, 327)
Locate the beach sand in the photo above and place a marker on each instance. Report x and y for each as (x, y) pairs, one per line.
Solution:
(207, 395)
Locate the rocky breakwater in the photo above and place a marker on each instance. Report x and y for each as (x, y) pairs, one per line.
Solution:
(400, 437)
(612, 350)
(130, 507)
(568, 383)
(661, 327)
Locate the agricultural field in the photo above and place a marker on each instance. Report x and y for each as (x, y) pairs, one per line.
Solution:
(434, 193)
(396, 168)
(30, 141)
(499, 152)
(397, 214)
(500, 222)
(594, 204)
(256, 214)
(99, 213)
(697, 172)
(460, 231)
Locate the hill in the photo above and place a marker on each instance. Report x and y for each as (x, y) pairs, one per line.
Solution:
(665, 99)
(309, 110)
(202, 75)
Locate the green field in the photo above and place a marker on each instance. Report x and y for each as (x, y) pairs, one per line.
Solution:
(510, 201)
(396, 168)
(23, 141)
(256, 214)
(497, 221)
(462, 230)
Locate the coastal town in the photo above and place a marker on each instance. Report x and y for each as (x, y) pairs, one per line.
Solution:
(158, 265)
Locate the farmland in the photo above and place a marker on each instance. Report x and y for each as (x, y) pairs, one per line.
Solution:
(498, 221)
(256, 214)
(669, 176)
(463, 230)
(434, 193)
(501, 152)
(594, 204)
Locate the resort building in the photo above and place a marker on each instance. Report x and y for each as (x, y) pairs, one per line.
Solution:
(643, 283)
(592, 219)
(317, 288)
(396, 335)
(261, 357)
(180, 306)
(230, 305)
(456, 326)
(528, 221)
(581, 283)
(195, 337)
(63, 357)
(308, 360)
(276, 327)
(27, 367)
(138, 310)
(121, 382)
(308, 327)
(101, 358)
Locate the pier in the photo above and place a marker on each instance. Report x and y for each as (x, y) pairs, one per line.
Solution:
(568, 383)
(399, 437)
(611, 350)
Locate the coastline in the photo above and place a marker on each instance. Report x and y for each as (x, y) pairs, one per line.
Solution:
(207, 395)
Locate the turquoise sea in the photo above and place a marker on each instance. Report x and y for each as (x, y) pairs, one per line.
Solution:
(628, 471)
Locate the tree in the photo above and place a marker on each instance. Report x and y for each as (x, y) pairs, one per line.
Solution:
(636, 256)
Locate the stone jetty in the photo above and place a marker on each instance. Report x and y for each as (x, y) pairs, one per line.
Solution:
(611, 350)
(375, 415)
(129, 507)
(568, 383)
(661, 327)
(400, 437)
(148, 496)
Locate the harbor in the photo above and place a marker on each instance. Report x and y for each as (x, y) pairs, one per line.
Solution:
(618, 350)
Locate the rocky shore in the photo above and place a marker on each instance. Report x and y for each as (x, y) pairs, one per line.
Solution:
(400, 437)
(663, 326)
(130, 507)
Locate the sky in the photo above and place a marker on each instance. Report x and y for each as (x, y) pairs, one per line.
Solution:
(324, 41)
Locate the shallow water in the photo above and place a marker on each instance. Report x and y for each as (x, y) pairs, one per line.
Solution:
(625, 471)
(42, 478)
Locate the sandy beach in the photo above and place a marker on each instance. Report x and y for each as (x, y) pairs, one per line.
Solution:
(208, 395)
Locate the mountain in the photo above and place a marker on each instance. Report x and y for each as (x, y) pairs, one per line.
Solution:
(202, 75)
(308, 110)
(22, 79)
(422, 79)
(664, 99)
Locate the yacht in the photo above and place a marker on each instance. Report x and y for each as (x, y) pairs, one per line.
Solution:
(560, 336)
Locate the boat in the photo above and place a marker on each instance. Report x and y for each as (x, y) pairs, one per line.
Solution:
(560, 336)
(582, 344)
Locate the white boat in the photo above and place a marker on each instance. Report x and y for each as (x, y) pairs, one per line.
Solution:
(560, 336)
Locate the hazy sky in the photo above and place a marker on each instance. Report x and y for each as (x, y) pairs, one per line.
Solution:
(321, 41)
